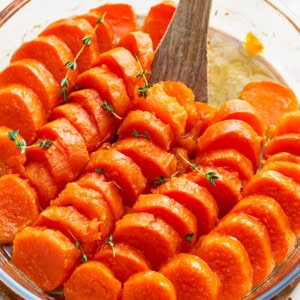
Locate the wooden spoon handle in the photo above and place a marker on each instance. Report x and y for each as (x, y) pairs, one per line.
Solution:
(182, 53)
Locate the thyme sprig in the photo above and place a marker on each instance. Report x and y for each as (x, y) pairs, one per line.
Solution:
(78, 245)
(109, 107)
(101, 171)
(22, 145)
(162, 179)
(111, 243)
(141, 135)
(210, 176)
(72, 65)
(143, 90)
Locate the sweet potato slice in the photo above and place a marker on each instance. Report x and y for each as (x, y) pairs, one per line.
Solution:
(89, 203)
(45, 256)
(122, 259)
(227, 257)
(108, 85)
(158, 19)
(233, 134)
(145, 122)
(11, 160)
(105, 33)
(121, 62)
(173, 213)
(238, 109)
(108, 190)
(288, 123)
(164, 107)
(227, 189)
(148, 285)
(255, 238)
(139, 43)
(289, 169)
(269, 212)
(52, 53)
(195, 198)
(121, 16)
(122, 170)
(157, 240)
(81, 120)
(185, 97)
(229, 159)
(18, 206)
(74, 225)
(56, 160)
(153, 160)
(21, 110)
(90, 100)
(280, 187)
(92, 280)
(261, 93)
(71, 140)
(283, 156)
(41, 179)
(192, 277)
(289, 142)
(32, 74)
(205, 113)
(72, 31)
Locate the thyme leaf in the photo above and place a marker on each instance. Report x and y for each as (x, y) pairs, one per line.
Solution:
(189, 237)
(142, 135)
(210, 176)
(143, 90)
(87, 40)
(161, 179)
(100, 171)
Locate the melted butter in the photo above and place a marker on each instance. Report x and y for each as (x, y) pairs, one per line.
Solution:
(230, 68)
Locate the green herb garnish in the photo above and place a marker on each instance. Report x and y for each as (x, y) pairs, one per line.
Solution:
(22, 145)
(209, 176)
(109, 107)
(142, 135)
(189, 237)
(111, 243)
(78, 245)
(72, 65)
(143, 90)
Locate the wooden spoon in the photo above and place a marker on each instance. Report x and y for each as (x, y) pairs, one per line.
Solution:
(182, 53)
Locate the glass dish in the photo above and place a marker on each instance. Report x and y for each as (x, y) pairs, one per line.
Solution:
(270, 20)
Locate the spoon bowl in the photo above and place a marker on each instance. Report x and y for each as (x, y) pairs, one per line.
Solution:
(182, 53)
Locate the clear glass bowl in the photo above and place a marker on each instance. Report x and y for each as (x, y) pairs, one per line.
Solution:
(270, 20)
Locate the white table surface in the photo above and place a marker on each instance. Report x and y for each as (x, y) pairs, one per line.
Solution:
(294, 6)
